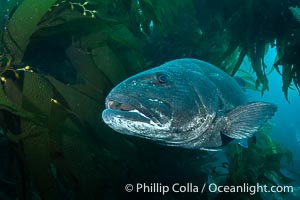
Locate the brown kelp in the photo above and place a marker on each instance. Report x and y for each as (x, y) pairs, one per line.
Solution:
(59, 60)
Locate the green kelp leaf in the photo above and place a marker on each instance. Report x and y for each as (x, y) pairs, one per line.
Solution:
(239, 61)
(23, 23)
(246, 75)
(10, 106)
(288, 59)
(106, 61)
(286, 78)
(261, 76)
(260, 54)
(135, 62)
(122, 35)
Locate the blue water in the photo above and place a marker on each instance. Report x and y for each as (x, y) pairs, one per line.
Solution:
(286, 122)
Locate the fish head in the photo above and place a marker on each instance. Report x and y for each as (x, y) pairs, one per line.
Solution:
(157, 104)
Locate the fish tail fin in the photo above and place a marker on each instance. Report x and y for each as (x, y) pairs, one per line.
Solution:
(245, 120)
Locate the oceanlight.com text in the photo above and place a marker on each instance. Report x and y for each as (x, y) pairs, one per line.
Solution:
(211, 187)
(251, 189)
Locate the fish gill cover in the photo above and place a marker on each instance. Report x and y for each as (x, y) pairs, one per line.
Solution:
(59, 59)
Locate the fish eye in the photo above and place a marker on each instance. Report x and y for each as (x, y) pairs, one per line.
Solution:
(163, 78)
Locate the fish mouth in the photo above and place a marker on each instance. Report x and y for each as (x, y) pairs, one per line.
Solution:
(117, 105)
(129, 108)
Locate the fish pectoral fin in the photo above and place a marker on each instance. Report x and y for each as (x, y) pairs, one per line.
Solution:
(245, 120)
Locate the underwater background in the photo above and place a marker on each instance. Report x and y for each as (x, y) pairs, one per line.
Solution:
(59, 60)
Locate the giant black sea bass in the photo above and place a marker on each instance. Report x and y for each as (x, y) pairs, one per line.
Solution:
(185, 103)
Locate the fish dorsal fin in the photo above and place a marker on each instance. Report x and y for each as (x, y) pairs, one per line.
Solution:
(245, 120)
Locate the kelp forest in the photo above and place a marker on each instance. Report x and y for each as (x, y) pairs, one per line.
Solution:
(60, 58)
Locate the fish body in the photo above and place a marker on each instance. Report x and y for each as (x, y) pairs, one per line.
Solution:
(186, 103)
